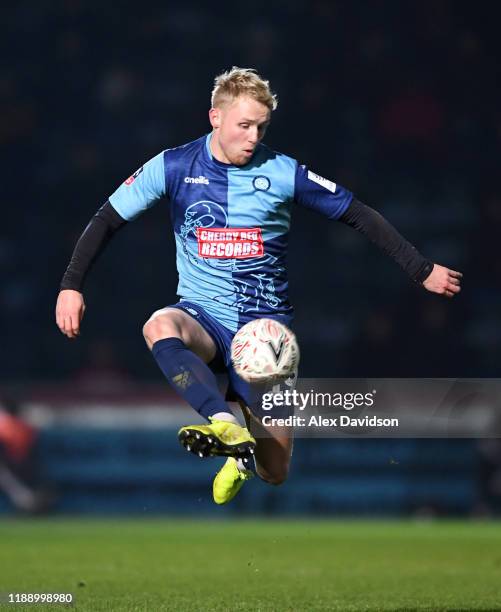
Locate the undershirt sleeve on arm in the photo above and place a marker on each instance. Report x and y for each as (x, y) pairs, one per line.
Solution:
(380, 232)
(91, 243)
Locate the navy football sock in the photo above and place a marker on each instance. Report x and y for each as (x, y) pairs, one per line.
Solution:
(189, 376)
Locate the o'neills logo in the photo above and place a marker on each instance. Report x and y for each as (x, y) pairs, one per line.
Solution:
(196, 180)
(227, 242)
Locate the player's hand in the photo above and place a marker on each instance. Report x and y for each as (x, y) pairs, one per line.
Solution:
(70, 309)
(443, 281)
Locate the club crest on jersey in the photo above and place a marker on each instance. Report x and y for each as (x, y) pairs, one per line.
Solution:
(227, 242)
(261, 183)
(134, 176)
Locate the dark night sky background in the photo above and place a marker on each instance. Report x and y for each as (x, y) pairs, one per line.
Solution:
(399, 102)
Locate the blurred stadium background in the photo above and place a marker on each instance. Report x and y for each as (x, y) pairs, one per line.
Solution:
(395, 101)
(399, 102)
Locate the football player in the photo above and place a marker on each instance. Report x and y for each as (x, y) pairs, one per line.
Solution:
(230, 199)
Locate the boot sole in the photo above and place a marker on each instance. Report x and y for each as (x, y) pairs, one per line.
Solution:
(204, 445)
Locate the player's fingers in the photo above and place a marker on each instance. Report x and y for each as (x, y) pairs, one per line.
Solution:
(454, 281)
(451, 290)
(75, 324)
(68, 328)
(72, 325)
(455, 274)
(59, 320)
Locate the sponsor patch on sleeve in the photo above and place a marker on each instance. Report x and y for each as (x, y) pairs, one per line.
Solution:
(134, 176)
(220, 243)
(320, 180)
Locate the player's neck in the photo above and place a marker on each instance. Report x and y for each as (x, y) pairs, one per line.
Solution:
(216, 151)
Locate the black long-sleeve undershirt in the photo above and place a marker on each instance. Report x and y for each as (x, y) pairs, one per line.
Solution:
(378, 230)
(106, 222)
(91, 243)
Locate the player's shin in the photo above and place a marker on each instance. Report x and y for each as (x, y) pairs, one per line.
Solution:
(191, 378)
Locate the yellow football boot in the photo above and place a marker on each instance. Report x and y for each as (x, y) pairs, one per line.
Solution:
(229, 481)
(219, 438)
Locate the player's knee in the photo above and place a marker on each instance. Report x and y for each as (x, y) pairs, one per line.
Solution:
(161, 325)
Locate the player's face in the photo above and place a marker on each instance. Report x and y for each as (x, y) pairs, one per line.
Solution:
(238, 128)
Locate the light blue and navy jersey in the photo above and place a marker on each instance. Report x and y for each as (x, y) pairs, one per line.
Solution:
(231, 224)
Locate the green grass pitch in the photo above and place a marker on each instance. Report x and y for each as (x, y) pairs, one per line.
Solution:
(308, 565)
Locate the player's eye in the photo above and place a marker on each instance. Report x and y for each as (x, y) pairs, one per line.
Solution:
(244, 125)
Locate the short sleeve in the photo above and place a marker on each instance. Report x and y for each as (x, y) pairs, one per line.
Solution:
(320, 194)
(141, 190)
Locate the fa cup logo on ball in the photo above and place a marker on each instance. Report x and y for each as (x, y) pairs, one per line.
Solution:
(264, 350)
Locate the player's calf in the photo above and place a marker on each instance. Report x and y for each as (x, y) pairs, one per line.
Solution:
(273, 448)
(274, 475)
(182, 348)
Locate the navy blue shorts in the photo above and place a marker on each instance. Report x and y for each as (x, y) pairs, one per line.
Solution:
(238, 389)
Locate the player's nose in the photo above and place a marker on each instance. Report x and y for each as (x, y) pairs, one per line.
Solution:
(253, 137)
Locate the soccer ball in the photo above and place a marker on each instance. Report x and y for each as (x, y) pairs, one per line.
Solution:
(264, 350)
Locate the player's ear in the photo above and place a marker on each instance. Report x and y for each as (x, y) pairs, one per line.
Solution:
(215, 117)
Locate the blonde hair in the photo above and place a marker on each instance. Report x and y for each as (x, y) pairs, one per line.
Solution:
(242, 82)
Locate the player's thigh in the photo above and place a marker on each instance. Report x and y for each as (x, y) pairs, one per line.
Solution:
(175, 323)
(273, 449)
